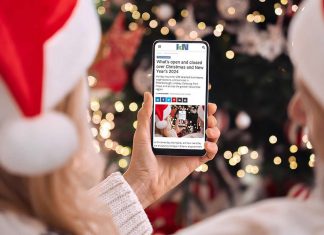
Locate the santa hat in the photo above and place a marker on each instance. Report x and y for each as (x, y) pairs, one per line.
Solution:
(306, 44)
(162, 111)
(201, 112)
(46, 48)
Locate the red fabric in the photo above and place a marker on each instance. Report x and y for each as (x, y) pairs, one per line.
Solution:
(121, 46)
(24, 28)
(159, 109)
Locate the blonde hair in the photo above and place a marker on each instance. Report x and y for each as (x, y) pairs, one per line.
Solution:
(60, 199)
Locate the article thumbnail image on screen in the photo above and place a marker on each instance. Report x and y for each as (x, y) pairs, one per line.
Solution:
(182, 121)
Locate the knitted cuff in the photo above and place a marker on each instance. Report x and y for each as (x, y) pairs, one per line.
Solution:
(127, 212)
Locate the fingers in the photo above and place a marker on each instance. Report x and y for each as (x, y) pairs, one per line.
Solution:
(211, 121)
(144, 114)
(211, 108)
(211, 150)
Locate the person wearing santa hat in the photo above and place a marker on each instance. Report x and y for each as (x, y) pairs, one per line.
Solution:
(290, 215)
(47, 159)
(163, 122)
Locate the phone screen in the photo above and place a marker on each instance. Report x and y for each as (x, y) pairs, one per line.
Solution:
(180, 93)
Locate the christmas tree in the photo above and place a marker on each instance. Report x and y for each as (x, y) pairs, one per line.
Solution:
(261, 152)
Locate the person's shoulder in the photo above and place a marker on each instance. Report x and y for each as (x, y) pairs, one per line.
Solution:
(274, 216)
(13, 224)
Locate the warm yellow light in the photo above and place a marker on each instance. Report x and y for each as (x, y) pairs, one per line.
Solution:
(232, 162)
(273, 139)
(278, 11)
(104, 132)
(250, 18)
(231, 10)
(309, 145)
(109, 144)
(254, 155)
(94, 105)
(96, 117)
(136, 15)
(204, 167)
(184, 13)
(133, 106)
(146, 16)
(133, 26)
(227, 154)
(172, 22)
(119, 106)
(92, 81)
(135, 124)
(201, 25)
(293, 165)
(240, 173)
(292, 159)
(312, 157)
(277, 160)
(284, 2)
(248, 168)
(255, 170)
(243, 150)
(219, 28)
(101, 10)
(257, 19)
(122, 163)
(153, 24)
(165, 30)
(217, 33)
(293, 149)
(294, 8)
(311, 163)
(230, 54)
(128, 6)
(110, 116)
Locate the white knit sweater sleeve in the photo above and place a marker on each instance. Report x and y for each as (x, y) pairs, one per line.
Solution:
(127, 212)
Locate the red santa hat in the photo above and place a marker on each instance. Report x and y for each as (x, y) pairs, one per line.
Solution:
(306, 35)
(162, 111)
(46, 49)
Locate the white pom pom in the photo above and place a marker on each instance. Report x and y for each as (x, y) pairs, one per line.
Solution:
(161, 124)
(33, 146)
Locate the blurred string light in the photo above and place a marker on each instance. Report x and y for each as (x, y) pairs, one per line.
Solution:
(311, 162)
(202, 168)
(230, 54)
(277, 160)
(255, 17)
(219, 28)
(273, 139)
(278, 9)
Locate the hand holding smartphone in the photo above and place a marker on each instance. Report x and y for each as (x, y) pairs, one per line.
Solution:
(180, 94)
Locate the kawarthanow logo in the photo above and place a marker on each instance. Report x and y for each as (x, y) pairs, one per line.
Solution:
(183, 47)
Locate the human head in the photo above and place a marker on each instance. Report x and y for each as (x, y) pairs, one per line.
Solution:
(47, 47)
(306, 50)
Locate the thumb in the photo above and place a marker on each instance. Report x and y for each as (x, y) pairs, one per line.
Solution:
(144, 116)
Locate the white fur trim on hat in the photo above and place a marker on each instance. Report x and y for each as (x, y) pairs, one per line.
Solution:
(161, 124)
(33, 146)
(306, 45)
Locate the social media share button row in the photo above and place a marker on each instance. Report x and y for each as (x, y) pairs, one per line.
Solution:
(171, 99)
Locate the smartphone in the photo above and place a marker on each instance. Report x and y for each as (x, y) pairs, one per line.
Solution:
(180, 95)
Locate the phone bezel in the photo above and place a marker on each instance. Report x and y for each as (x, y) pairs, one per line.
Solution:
(179, 152)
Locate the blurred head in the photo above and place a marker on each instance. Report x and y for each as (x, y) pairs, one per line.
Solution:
(47, 162)
(306, 47)
(305, 110)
